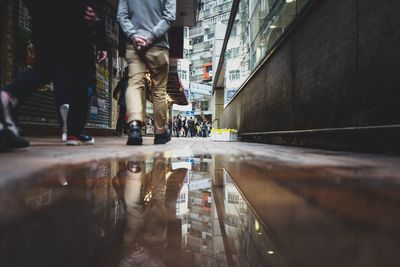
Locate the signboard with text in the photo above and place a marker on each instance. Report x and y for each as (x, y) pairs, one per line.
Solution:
(199, 88)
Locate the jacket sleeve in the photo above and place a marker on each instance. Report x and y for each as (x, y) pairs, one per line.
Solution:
(123, 19)
(98, 30)
(169, 16)
(100, 36)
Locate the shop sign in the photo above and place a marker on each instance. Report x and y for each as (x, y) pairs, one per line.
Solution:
(201, 89)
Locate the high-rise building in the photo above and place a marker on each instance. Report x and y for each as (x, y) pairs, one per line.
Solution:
(202, 38)
(199, 51)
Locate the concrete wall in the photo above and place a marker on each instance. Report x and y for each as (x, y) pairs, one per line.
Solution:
(339, 67)
(217, 104)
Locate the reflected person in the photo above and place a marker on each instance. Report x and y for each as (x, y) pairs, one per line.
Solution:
(145, 238)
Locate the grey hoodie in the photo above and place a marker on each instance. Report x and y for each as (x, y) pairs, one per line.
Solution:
(148, 18)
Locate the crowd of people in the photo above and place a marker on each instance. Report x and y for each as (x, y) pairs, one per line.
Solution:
(66, 55)
(190, 127)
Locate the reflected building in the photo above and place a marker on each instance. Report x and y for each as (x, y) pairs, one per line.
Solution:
(249, 242)
(196, 207)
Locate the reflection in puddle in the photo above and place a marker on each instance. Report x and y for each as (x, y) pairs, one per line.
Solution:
(188, 211)
(154, 212)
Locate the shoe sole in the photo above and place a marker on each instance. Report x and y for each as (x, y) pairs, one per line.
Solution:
(134, 143)
(22, 149)
(79, 143)
(161, 142)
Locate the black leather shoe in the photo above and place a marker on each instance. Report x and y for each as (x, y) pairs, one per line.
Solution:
(135, 134)
(162, 138)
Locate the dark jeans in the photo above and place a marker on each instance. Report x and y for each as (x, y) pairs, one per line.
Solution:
(192, 132)
(62, 94)
(70, 72)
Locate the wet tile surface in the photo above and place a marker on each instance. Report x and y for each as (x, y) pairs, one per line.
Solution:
(202, 210)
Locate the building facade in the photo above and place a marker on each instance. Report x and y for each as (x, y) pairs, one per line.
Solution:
(200, 52)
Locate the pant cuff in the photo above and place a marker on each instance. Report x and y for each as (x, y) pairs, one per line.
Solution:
(134, 117)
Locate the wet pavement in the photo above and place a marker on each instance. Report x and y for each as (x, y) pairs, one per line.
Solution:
(292, 207)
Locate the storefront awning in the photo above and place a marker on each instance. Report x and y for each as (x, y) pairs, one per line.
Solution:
(175, 89)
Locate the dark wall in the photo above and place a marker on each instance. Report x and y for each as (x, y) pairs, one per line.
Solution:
(338, 67)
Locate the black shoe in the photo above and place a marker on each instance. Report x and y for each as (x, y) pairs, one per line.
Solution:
(9, 141)
(162, 138)
(134, 166)
(135, 135)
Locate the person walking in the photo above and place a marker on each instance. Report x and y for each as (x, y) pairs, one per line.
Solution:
(145, 23)
(61, 92)
(190, 124)
(178, 125)
(198, 129)
(68, 48)
(185, 126)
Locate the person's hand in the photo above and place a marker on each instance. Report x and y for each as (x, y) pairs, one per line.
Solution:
(91, 16)
(141, 42)
(101, 55)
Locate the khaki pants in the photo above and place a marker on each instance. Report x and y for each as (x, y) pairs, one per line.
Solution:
(156, 60)
(146, 224)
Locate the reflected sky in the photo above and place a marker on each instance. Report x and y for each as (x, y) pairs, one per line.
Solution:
(189, 211)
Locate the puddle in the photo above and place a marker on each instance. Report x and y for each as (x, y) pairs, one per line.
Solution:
(155, 212)
(188, 211)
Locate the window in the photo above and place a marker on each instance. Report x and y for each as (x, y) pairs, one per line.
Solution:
(208, 37)
(232, 53)
(182, 198)
(258, 25)
(24, 18)
(223, 17)
(232, 220)
(209, 5)
(207, 71)
(197, 40)
(210, 21)
(186, 32)
(233, 198)
(234, 29)
(220, 2)
(183, 74)
(204, 107)
(234, 75)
